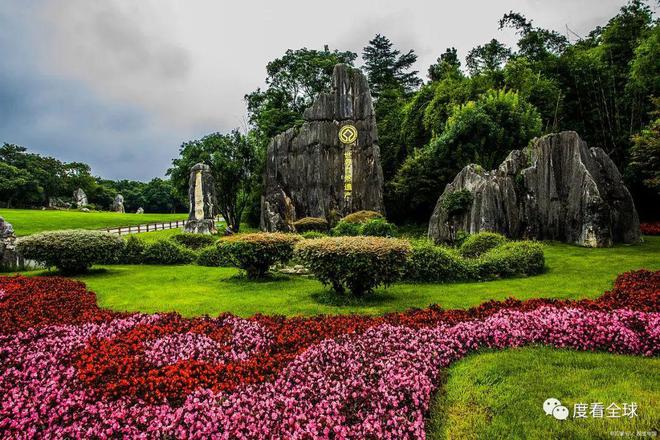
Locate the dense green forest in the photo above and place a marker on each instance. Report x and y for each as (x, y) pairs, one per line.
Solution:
(604, 85)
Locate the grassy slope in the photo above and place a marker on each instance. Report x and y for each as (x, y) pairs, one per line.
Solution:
(28, 221)
(498, 395)
(573, 272)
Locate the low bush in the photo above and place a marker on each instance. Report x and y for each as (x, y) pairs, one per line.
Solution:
(213, 256)
(133, 252)
(431, 263)
(511, 259)
(72, 251)
(308, 224)
(167, 252)
(378, 227)
(194, 241)
(346, 229)
(256, 253)
(361, 216)
(477, 244)
(312, 234)
(358, 264)
(457, 202)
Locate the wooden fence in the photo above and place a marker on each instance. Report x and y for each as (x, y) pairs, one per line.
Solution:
(147, 228)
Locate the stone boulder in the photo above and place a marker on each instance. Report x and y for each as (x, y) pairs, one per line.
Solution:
(80, 198)
(203, 204)
(9, 259)
(306, 167)
(118, 204)
(140, 210)
(556, 189)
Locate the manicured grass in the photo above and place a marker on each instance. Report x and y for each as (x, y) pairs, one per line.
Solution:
(30, 221)
(499, 395)
(573, 272)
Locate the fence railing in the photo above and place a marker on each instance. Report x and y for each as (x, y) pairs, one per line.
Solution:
(147, 228)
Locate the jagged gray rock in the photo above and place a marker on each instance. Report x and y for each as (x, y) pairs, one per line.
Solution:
(9, 258)
(140, 210)
(80, 198)
(305, 166)
(203, 204)
(556, 189)
(118, 204)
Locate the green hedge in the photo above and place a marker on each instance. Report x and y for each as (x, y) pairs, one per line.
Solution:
(432, 263)
(213, 256)
(194, 241)
(72, 251)
(378, 227)
(308, 224)
(358, 264)
(511, 259)
(361, 216)
(477, 244)
(256, 253)
(309, 235)
(133, 252)
(168, 252)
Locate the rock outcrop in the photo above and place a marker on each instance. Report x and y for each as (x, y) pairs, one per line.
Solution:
(80, 198)
(556, 189)
(118, 204)
(203, 204)
(306, 171)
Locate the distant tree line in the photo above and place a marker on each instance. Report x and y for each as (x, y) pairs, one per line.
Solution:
(29, 180)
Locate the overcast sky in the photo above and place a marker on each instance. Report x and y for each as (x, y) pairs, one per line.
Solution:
(121, 84)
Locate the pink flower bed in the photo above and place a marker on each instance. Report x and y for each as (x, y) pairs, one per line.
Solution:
(162, 376)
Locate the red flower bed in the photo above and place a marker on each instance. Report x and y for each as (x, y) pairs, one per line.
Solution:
(650, 228)
(71, 370)
(118, 365)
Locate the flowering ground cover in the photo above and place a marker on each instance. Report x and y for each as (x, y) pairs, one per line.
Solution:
(71, 369)
(650, 228)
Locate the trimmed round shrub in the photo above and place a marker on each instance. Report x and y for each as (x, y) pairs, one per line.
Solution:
(194, 241)
(308, 224)
(378, 227)
(72, 251)
(133, 252)
(256, 253)
(358, 264)
(361, 216)
(478, 244)
(212, 256)
(310, 235)
(346, 229)
(511, 259)
(431, 263)
(168, 252)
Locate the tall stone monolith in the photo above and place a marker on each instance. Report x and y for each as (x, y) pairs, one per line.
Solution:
(330, 165)
(203, 204)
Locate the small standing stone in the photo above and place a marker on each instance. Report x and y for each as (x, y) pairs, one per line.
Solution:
(201, 194)
(118, 204)
(80, 198)
(140, 210)
(9, 259)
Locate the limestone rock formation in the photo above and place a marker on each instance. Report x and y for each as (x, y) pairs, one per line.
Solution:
(556, 189)
(140, 210)
(118, 204)
(9, 259)
(310, 173)
(203, 204)
(80, 198)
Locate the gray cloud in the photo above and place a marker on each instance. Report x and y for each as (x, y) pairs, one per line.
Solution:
(120, 84)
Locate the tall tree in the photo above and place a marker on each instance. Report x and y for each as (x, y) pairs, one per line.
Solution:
(292, 82)
(233, 159)
(447, 65)
(487, 58)
(387, 67)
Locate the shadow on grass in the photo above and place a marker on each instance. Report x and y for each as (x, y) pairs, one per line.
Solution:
(330, 298)
(242, 278)
(96, 271)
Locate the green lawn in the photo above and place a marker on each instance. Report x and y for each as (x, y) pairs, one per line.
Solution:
(573, 272)
(29, 221)
(499, 395)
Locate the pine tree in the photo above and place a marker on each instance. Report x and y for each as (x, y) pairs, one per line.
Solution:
(387, 68)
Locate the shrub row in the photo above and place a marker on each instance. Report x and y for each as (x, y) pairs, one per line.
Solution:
(255, 253)
(374, 227)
